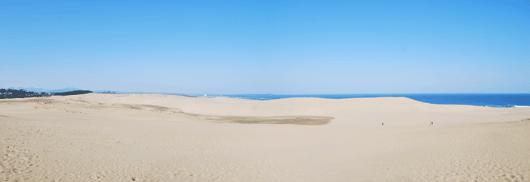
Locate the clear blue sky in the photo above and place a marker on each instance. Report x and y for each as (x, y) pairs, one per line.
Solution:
(278, 47)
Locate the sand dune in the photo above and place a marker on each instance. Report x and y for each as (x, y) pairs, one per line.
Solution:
(136, 137)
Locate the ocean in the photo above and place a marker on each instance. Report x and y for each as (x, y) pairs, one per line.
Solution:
(488, 100)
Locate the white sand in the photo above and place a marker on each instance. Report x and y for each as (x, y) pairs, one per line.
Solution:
(105, 137)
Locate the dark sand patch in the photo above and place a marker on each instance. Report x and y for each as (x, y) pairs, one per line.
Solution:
(148, 107)
(296, 120)
(155, 108)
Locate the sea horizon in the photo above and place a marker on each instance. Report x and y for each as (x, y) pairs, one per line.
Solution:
(497, 100)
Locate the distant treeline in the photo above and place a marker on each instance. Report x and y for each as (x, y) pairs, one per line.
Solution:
(12, 93)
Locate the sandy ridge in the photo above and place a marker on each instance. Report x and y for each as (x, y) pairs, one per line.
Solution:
(100, 137)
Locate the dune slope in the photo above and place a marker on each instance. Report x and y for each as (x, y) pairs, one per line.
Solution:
(105, 137)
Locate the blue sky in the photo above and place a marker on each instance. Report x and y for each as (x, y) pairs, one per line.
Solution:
(278, 47)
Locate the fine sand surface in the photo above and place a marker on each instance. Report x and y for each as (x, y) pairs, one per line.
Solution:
(150, 137)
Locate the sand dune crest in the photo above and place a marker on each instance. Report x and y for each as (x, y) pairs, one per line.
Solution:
(105, 137)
